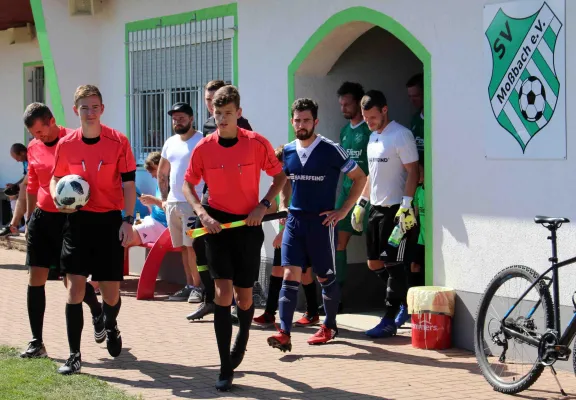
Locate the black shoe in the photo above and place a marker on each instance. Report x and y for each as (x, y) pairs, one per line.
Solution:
(114, 341)
(203, 310)
(6, 231)
(72, 365)
(99, 328)
(35, 349)
(224, 384)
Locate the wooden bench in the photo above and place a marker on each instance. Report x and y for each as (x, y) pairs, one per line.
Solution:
(158, 250)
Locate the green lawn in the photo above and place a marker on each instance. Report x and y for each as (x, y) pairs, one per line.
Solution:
(38, 379)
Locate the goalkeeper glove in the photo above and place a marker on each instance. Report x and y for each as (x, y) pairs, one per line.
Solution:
(405, 215)
(358, 214)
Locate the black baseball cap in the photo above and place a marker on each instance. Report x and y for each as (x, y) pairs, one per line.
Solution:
(181, 107)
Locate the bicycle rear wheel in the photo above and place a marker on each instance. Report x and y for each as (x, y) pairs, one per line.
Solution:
(500, 357)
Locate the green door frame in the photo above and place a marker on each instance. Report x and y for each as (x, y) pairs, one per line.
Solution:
(364, 14)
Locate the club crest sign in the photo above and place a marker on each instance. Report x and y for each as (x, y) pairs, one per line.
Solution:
(526, 64)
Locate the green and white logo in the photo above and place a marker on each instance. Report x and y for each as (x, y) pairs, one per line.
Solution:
(524, 86)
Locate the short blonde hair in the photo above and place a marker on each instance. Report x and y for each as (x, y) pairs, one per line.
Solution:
(153, 160)
(84, 91)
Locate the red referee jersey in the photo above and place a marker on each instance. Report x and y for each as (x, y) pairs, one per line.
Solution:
(40, 166)
(232, 174)
(101, 164)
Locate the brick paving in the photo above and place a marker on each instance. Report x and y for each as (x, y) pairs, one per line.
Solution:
(166, 357)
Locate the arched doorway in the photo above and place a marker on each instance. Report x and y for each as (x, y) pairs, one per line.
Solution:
(325, 60)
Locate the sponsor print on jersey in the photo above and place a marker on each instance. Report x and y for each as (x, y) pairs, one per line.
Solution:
(377, 159)
(355, 154)
(301, 177)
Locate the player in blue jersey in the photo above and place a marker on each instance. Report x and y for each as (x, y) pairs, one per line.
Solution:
(313, 164)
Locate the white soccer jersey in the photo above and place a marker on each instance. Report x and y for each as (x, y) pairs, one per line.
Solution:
(387, 153)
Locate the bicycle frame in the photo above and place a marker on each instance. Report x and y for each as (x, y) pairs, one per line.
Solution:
(570, 331)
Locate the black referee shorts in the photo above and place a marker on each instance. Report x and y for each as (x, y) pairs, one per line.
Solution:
(92, 245)
(199, 246)
(234, 253)
(380, 226)
(44, 242)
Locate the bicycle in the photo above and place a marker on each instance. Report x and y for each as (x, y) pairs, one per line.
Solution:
(506, 332)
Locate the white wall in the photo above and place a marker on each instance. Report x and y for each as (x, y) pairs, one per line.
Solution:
(12, 58)
(482, 209)
(377, 60)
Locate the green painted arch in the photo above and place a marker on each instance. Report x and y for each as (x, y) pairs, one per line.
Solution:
(376, 18)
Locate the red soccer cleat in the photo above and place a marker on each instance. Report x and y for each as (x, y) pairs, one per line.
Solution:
(265, 320)
(323, 335)
(280, 340)
(308, 320)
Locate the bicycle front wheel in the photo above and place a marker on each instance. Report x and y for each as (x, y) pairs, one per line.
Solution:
(510, 365)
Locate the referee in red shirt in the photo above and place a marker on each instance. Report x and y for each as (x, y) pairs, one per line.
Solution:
(230, 161)
(44, 227)
(95, 236)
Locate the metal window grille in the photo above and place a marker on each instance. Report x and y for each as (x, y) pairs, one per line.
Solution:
(37, 85)
(168, 64)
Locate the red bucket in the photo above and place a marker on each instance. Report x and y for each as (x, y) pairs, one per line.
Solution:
(431, 331)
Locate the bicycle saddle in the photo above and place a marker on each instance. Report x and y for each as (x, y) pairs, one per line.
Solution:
(539, 219)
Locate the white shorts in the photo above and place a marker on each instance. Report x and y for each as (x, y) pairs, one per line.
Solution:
(149, 230)
(177, 215)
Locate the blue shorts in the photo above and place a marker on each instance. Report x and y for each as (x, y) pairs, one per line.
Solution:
(307, 242)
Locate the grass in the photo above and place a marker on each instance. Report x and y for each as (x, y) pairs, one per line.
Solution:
(38, 379)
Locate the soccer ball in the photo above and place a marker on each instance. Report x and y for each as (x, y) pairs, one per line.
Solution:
(72, 192)
(532, 99)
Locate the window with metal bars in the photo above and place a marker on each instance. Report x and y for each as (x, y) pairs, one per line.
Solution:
(34, 89)
(169, 64)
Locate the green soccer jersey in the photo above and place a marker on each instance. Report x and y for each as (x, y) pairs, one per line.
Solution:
(419, 202)
(417, 128)
(355, 141)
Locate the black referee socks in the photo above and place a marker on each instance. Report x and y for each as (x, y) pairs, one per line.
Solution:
(223, 330)
(245, 321)
(92, 301)
(111, 313)
(36, 300)
(74, 325)
(273, 293)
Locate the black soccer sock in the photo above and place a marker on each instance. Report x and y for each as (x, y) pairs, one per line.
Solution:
(273, 294)
(74, 325)
(392, 308)
(382, 273)
(91, 300)
(245, 321)
(208, 283)
(223, 330)
(311, 299)
(36, 300)
(111, 313)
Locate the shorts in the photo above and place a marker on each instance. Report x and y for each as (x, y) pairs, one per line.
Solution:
(199, 245)
(44, 242)
(307, 242)
(149, 230)
(345, 224)
(419, 254)
(234, 253)
(380, 226)
(92, 245)
(277, 261)
(177, 214)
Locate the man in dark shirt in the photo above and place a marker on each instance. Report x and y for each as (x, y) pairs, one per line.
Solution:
(207, 306)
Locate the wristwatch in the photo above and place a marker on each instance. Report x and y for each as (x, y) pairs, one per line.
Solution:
(129, 219)
(265, 203)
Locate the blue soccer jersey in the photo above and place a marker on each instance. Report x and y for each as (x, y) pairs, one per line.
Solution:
(314, 172)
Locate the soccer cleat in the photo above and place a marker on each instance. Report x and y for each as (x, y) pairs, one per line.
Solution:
(323, 335)
(203, 310)
(6, 231)
(224, 384)
(402, 317)
(280, 340)
(265, 320)
(385, 329)
(196, 295)
(308, 320)
(181, 295)
(114, 341)
(99, 328)
(35, 349)
(72, 365)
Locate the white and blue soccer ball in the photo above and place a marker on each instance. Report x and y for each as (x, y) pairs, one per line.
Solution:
(532, 99)
(72, 192)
